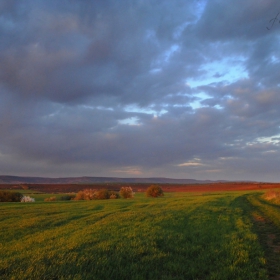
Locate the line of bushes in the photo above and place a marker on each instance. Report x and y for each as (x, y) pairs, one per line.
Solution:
(87, 194)
(8, 196)
(90, 194)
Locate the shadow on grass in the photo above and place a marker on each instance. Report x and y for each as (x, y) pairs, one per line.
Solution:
(268, 233)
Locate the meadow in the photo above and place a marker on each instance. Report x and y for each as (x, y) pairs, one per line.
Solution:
(226, 235)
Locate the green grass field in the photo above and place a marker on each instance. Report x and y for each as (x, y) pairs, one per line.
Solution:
(178, 236)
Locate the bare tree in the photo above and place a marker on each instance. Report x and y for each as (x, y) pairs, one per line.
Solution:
(272, 21)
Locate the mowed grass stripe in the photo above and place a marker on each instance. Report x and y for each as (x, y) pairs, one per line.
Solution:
(180, 236)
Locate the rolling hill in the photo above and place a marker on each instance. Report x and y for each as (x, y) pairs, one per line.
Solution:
(5, 179)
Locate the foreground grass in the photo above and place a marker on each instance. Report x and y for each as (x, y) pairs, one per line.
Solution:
(179, 236)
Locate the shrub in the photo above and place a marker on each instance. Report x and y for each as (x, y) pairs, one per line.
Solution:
(67, 197)
(154, 191)
(52, 198)
(90, 194)
(7, 196)
(87, 194)
(102, 194)
(27, 199)
(126, 192)
(114, 195)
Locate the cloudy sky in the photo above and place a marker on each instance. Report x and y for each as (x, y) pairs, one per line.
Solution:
(140, 88)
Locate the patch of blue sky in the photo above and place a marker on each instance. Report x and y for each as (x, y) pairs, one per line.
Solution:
(198, 9)
(219, 71)
(179, 30)
(168, 54)
(218, 107)
(275, 139)
(155, 70)
(97, 107)
(226, 71)
(163, 58)
(146, 110)
(129, 121)
(199, 97)
(274, 59)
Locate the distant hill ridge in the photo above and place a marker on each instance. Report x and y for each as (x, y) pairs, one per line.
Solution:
(5, 179)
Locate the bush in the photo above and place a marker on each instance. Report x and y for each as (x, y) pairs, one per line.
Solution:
(52, 198)
(154, 191)
(25, 187)
(106, 194)
(27, 199)
(87, 194)
(90, 194)
(126, 192)
(7, 196)
(102, 194)
(114, 195)
(67, 197)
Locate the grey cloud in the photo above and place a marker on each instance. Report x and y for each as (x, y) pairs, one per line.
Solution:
(103, 88)
(66, 58)
(247, 20)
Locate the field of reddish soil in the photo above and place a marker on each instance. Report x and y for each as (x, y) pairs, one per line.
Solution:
(213, 187)
(219, 187)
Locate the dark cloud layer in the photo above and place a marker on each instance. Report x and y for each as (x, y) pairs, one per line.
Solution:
(184, 89)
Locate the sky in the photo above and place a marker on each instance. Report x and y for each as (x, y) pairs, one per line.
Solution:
(140, 88)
